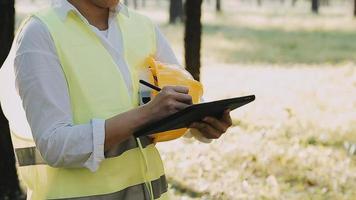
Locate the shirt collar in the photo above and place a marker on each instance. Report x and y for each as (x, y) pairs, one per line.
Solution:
(64, 7)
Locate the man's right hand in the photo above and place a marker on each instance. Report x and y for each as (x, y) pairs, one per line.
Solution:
(168, 101)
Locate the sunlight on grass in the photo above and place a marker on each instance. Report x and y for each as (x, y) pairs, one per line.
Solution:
(279, 46)
(289, 144)
(271, 35)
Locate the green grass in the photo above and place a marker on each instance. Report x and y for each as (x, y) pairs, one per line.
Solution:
(272, 35)
(241, 44)
(277, 46)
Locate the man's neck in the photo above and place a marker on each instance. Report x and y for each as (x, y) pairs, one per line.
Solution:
(95, 15)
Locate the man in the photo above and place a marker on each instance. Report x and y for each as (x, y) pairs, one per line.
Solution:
(75, 70)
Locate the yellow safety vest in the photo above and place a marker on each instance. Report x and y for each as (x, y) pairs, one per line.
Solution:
(97, 90)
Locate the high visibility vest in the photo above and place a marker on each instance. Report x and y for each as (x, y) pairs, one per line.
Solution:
(97, 90)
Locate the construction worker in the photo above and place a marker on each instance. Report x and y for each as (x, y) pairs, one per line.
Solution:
(69, 89)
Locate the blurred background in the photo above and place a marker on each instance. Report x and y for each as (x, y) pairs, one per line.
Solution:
(297, 140)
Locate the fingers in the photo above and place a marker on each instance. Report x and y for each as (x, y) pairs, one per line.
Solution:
(213, 128)
(180, 106)
(217, 124)
(171, 106)
(179, 93)
(184, 98)
(179, 89)
(207, 130)
(168, 101)
(226, 118)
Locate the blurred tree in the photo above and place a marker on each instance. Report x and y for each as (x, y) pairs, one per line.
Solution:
(135, 4)
(218, 5)
(354, 8)
(176, 11)
(325, 2)
(315, 6)
(192, 38)
(9, 184)
(7, 21)
(294, 2)
(259, 2)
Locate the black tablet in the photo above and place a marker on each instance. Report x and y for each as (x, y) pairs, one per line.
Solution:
(192, 114)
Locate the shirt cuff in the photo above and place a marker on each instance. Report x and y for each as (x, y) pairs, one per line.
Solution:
(192, 132)
(98, 145)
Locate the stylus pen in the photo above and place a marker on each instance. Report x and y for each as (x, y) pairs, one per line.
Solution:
(150, 85)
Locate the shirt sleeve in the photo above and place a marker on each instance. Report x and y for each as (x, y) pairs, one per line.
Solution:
(165, 54)
(42, 87)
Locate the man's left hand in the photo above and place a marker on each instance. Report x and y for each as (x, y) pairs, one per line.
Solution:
(213, 128)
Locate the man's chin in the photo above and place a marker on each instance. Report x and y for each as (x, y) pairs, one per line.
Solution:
(112, 4)
(113, 7)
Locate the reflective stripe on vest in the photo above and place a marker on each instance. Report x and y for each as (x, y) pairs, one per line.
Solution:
(159, 187)
(97, 90)
(31, 156)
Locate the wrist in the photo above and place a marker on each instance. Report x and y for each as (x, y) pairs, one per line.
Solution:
(122, 126)
(144, 116)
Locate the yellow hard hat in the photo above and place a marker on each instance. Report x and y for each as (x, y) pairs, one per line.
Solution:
(165, 75)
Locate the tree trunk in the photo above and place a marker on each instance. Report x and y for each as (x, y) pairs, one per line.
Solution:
(9, 184)
(176, 11)
(135, 4)
(7, 21)
(294, 2)
(218, 5)
(192, 38)
(315, 6)
(259, 3)
(354, 8)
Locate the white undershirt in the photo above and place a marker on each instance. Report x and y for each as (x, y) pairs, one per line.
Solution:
(104, 33)
(42, 88)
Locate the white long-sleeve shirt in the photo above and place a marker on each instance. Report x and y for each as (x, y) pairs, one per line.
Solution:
(41, 86)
